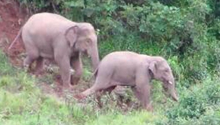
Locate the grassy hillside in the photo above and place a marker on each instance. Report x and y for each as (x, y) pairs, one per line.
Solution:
(23, 103)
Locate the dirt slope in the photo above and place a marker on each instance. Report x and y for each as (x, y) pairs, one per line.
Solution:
(11, 20)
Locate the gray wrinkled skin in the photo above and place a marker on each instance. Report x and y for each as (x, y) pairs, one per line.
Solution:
(126, 68)
(53, 37)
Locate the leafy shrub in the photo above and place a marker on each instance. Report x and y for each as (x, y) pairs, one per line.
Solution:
(196, 102)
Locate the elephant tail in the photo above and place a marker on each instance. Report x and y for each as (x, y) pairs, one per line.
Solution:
(94, 73)
(16, 38)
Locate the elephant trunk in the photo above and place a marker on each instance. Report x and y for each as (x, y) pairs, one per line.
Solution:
(173, 91)
(169, 87)
(95, 58)
(174, 95)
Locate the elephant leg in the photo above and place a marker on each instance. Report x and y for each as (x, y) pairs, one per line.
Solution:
(28, 61)
(76, 63)
(120, 91)
(32, 53)
(101, 83)
(39, 66)
(64, 65)
(142, 92)
(142, 88)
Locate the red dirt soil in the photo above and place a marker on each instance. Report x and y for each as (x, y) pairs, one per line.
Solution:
(11, 20)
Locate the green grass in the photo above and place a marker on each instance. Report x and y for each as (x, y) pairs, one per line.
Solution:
(130, 118)
(23, 103)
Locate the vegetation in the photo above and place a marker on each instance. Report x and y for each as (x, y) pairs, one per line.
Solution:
(185, 32)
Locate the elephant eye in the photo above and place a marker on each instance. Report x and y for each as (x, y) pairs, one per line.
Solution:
(166, 70)
(89, 41)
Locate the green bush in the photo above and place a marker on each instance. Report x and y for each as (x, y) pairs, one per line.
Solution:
(197, 102)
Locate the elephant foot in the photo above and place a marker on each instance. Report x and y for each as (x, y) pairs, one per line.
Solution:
(75, 81)
(79, 96)
(149, 108)
(68, 86)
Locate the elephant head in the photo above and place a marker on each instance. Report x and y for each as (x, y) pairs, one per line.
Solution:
(82, 37)
(160, 70)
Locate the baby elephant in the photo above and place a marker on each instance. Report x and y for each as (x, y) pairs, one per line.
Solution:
(131, 69)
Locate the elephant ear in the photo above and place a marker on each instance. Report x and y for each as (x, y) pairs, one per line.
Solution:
(153, 68)
(71, 35)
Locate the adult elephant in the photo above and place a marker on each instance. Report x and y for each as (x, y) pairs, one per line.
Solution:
(51, 36)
